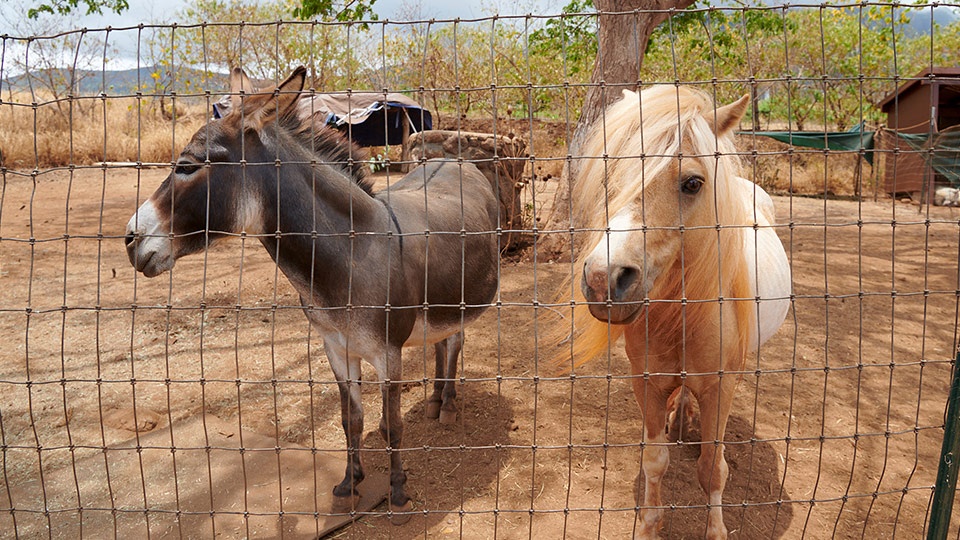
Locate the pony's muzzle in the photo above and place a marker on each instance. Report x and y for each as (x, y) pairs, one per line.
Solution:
(612, 291)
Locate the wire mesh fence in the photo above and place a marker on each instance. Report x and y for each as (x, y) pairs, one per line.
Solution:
(201, 402)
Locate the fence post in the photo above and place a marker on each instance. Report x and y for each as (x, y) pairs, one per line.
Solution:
(946, 485)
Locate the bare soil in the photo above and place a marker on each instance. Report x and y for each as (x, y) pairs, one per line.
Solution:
(835, 433)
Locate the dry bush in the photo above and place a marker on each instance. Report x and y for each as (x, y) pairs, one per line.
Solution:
(782, 169)
(89, 130)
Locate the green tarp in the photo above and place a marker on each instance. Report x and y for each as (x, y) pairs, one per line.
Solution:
(854, 140)
(941, 151)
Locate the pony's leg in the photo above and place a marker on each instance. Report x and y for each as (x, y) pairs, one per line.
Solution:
(655, 455)
(679, 414)
(347, 372)
(391, 429)
(715, 402)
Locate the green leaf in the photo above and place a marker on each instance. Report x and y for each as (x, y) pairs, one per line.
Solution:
(330, 10)
(66, 7)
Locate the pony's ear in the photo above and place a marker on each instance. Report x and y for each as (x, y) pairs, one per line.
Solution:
(727, 117)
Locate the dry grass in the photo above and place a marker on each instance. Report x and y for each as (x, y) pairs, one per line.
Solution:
(90, 130)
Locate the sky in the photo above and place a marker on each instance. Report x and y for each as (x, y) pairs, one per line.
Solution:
(152, 11)
(164, 11)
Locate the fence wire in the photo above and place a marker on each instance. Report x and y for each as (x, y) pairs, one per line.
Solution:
(201, 402)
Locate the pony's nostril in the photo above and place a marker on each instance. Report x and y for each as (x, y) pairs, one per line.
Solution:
(622, 279)
(129, 238)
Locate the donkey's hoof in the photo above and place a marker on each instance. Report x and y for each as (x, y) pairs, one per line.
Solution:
(433, 409)
(448, 417)
(345, 505)
(400, 515)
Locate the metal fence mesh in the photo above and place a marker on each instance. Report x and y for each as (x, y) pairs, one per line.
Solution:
(201, 403)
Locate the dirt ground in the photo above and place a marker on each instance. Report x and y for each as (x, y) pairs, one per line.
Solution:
(835, 433)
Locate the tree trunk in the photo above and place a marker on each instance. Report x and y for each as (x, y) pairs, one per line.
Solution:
(622, 40)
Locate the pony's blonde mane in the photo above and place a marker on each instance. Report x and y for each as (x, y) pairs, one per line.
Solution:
(637, 139)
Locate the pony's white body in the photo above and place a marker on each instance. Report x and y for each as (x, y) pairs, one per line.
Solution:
(768, 273)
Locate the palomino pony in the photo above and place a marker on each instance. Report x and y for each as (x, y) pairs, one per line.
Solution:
(367, 267)
(684, 263)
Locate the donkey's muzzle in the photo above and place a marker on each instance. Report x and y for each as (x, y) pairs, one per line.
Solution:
(613, 291)
(149, 250)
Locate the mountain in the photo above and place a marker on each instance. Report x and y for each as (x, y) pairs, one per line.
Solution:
(120, 82)
(920, 19)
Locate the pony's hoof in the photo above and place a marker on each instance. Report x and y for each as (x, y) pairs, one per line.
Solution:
(400, 515)
(448, 417)
(345, 505)
(674, 427)
(433, 409)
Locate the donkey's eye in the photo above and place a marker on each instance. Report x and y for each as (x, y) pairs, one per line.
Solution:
(691, 184)
(186, 168)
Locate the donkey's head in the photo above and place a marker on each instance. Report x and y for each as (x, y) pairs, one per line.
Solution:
(213, 190)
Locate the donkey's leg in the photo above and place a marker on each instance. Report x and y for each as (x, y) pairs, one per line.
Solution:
(448, 411)
(655, 455)
(436, 398)
(715, 402)
(391, 429)
(443, 401)
(347, 372)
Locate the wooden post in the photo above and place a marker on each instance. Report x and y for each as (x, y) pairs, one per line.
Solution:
(404, 143)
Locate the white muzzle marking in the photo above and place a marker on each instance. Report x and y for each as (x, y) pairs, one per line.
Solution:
(148, 245)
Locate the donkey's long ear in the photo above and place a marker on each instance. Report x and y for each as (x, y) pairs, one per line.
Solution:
(288, 93)
(271, 103)
(239, 84)
(728, 116)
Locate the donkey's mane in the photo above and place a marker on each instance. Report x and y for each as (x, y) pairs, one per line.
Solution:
(263, 107)
(332, 147)
(636, 140)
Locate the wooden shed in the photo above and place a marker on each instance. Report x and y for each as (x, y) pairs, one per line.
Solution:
(926, 104)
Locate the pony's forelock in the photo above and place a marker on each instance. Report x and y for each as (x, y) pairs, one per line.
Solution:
(636, 139)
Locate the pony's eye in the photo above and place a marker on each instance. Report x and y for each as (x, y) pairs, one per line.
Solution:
(186, 167)
(691, 184)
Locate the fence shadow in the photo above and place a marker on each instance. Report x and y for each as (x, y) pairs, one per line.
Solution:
(451, 470)
(750, 498)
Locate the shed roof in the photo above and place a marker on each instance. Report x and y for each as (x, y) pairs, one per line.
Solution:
(949, 76)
